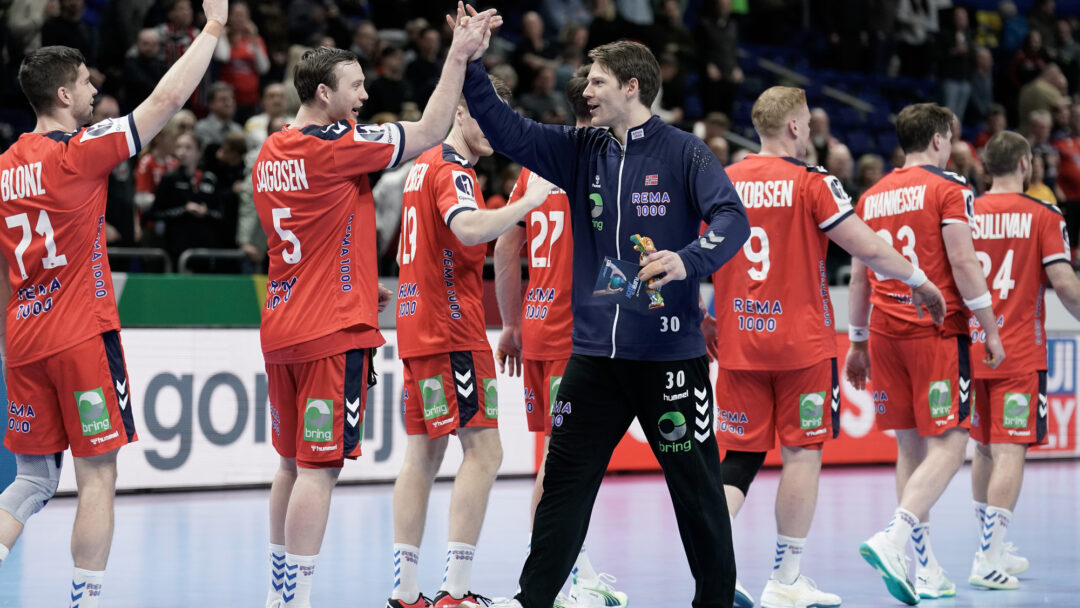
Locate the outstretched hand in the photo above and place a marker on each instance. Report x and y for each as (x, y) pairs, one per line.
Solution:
(472, 30)
(216, 10)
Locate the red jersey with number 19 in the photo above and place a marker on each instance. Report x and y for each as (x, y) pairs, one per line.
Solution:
(547, 320)
(1016, 238)
(440, 284)
(773, 309)
(53, 190)
(908, 208)
(314, 201)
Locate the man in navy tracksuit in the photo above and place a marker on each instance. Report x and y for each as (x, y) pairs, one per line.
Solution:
(636, 176)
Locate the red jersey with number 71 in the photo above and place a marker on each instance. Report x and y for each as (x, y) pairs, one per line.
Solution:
(53, 190)
(547, 321)
(908, 208)
(1016, 238)
(314, 202)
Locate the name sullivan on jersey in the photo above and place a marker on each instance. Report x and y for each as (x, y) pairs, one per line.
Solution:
(894, 202)
(772, 193)
(280, 176)
(1002, 226)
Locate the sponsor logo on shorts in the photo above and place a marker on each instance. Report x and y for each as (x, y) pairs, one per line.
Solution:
(940, 398)
(103, 439)
(444, 422)
(811, 408)
(554, 382)
(1017, 410)
(93, 415)
(672, 427)
(323, 448)
(319, 421)
(431, 391)
(491, 398)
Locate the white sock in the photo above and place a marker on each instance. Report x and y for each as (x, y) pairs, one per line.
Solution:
(406, 582)
(86, 588)
(899, 529)
(277, 574)
(993, 536)
(3, 554)
(299, 570)
(980, 516)
(458, 573)
(788, 555)
(924, 553)
(583, 567)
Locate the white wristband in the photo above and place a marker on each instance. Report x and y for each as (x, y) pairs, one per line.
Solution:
(917, 278)
(983, 301)
(858, 334)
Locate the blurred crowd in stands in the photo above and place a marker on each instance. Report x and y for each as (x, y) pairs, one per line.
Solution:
(995, 65)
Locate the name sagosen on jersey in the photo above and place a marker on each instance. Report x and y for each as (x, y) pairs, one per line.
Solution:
(1002, 226)
(766, 194)
(281, 176)
(895, 202)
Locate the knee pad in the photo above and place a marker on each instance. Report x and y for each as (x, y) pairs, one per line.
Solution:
(35, 483)
(739, 468)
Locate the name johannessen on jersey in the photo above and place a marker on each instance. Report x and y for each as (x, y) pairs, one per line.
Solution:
(772, 193)
(894, 202)
(280, 176)
(1002, 226)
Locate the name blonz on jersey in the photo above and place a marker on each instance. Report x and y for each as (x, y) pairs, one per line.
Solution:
(773, 309)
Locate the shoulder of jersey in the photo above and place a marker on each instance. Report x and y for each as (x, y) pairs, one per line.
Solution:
(331, 131)
(1045, 204)
(817, 169)
(60, 136)
(450, 156)
(947, 175)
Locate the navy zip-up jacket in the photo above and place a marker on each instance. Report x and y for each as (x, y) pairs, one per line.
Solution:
(662, 183)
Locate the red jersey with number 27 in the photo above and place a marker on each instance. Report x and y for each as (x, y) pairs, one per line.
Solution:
(53, 189)
(773, 309)
(1016, 238)
(546, 318)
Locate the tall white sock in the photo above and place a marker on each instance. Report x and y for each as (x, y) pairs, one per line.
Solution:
(924, 553)
(277, 574)
(980, 516)
(583, 568)
(788, 555)
(299, 570)
(899, 529)
(458, 573)
(86, 588)
(993, 536)
(406, 582)
(3, 554)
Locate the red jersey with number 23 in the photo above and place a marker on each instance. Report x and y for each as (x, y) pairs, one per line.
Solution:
(547, 320)
(53, 189)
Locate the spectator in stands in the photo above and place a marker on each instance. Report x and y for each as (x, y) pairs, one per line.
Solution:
(365, 44)
(1030, 61)
(670, 36)
(956, 62)
(846, 29)
(717, 39)
(868, 171)
(1041, 19)
(144, 69)
(720, 149)
(982, 86)
(257, 128)
(560, 14)
(607, 24)
(423, 72)
(242, 54)
(839, 163)
(219, 122)
(962, 163)
(918, 22)
(1014, 27)
(821, 138)
(995, 123)
(534, 51)
(672, 94)
(882, 28)
(1040, 94)
(187, 202)
(639, 12)
(1059, 114)
(1037, 188)
(121, 225)
(1069, 173)
(24, 21)
(68, 28)
(177, 34)
(155, 160)
(1039, 125)
(716, 124)
(390, 90)
(1068, 54)
(543, 104)
(226, 162)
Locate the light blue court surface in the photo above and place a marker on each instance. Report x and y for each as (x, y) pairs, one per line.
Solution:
(209, 549)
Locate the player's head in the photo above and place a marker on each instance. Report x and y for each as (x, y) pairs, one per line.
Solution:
(331, 79)
(623, 75)
(55, 79)
(470, 130)
(575, 94)
(781, 113)
(1008, 153)
(926, 127)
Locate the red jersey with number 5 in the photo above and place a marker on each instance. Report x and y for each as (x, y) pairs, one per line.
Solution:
(546, 318)
(1016, 238)
(908, 208)
(440, 285)
(314, 202)
(53, 190)
(773, 309)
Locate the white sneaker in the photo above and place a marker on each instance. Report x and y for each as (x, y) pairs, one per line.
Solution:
(1012, 563)
(892, 563)
(743, 599)
(596, 593)
(803, 593)
(932, 584)
(561, 601)
(989, 575)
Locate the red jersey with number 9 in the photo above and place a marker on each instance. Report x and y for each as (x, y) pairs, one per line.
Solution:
(314, 202)
(1016, 238)
(440, 284)
(908, 208)
(546, 318)
(772, 300)
(53, 190)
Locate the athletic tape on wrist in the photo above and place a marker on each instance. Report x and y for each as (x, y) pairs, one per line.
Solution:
(983, 301)
(917, 278)
(858, 334)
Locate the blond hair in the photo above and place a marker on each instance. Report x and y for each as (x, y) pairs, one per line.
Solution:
(773, 109)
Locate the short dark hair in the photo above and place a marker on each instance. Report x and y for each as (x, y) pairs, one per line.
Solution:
(916, 125)
(1004, 151)
(575, 93)
(47, 69)
(317, 67)
(626, 60)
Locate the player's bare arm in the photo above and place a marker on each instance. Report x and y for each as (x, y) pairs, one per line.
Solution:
(384, 297)
(483, 225)
(857, 364)
(857, 239)
(5, 296)
(967, 272)
(508, 293)
(177, 85)
(1066, 285)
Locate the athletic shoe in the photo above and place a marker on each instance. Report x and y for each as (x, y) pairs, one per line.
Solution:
(1012, 563)
(932, 584)
(989, 575)
(596, 593)
(893, 566)
(500, 603)
(421, 602)
(561, 601)
(803, 593)
(443, 599)
(743, 599)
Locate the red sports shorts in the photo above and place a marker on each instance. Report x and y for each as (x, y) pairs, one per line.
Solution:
(921, 383)
(449, 391)
(1010, 410)
(542, 379)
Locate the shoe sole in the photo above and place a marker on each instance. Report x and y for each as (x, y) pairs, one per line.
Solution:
(982, 583)
(935, 596)
(814, 605)
(1019, 571)
(900, 589)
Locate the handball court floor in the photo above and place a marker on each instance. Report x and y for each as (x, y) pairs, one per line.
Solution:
(209, 548)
